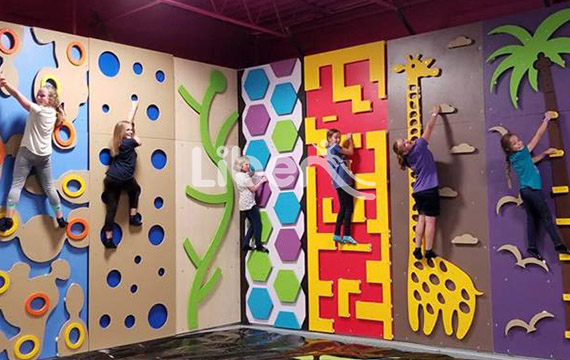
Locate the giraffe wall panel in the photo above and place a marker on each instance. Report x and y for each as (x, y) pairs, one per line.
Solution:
(349, 285)
(271, 120)
(523, 292)
(467, 266)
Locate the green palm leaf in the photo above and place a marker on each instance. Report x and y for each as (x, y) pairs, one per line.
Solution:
(533, 78)
(503, 66)
(520, 33)
(516, 77)
(505, 50)
(551, 24)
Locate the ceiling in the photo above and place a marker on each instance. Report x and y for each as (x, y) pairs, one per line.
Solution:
(242, 33)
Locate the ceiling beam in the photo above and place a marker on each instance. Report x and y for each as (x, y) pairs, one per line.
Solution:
(390, 5)
(134, 11)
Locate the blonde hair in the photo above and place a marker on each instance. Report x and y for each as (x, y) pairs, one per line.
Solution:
(240, 162)
(118, 136)
(56, 104)
(401, 157)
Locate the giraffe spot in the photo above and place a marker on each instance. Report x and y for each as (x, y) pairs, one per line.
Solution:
(434, 279)
(429, 309)
(415, 207)
(415, 277)
(464, 294)
(442, 266)
(440, 298)
(415, 217)
(413, 66)
(414, 131)
(425, 287)
(464, 307)
(419, 265)
(413, 114)
(413, 174)
(414, 228)
(412, 104)
(417, 295)
(450, 285)
(412, 87)
(431, 263)
(412, 95)
(414, 137)
(413, 122)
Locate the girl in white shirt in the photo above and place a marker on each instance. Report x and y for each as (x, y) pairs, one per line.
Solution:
(35, 149)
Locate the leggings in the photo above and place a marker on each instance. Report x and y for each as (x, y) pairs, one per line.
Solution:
(345, 212)
(254, 227)
(112, 194)
(537, 212)
(25, 161)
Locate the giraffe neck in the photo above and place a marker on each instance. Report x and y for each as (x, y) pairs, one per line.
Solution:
(413, 106)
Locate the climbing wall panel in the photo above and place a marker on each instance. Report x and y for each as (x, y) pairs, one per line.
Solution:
(446, 302)
(198, 222)
(140, 274)
(35, 253)
(349, 285)
(271, 119)
(522, 287)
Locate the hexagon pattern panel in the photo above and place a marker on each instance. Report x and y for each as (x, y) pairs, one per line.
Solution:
(271, 119)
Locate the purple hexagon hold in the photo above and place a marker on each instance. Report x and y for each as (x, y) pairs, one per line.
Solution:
(257, 119)
(286, 173)
(288, 245)
(284, 67)
(262, 195)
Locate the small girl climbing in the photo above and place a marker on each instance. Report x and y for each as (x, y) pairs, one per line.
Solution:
(518, 157)
(342, 181)
(247, 186)
(416, 155)
(35, 150)
(121, 175)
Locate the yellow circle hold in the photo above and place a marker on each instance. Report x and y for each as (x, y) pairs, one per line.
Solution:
(67, 335)
(78, 192)
(54, 82)
(12, 230)
(21, 341)
(6, 278)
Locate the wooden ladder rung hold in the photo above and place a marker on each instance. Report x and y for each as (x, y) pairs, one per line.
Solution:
(560, 189)
(557, 154)
(563, 257)
(566, 297)
(562, 221)
(567, 334)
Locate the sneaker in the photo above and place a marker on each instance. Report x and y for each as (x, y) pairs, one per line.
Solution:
(418, 253)
(61, 222)
(562, 249)
(6, 224)
(534, 253)
(262, 249)
(430, 254)
(109, 244)
(347, 239)
(338, 239)
(135, 220)
(246, 248)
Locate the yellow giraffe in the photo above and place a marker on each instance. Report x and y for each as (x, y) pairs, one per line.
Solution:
(436, 286)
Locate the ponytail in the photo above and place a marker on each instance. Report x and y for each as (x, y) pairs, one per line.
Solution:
(57, 105)
(506, 146)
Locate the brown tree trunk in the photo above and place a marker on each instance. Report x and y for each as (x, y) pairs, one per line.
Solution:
(559, 170)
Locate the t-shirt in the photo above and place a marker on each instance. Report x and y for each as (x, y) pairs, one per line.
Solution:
(39, 129)
(338, 166)
(246, 196)
(123, 164)
(526, 170)
(420, 159)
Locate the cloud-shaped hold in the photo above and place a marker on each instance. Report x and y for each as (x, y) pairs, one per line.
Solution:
(446, 109)
(460, 41)
(465, 239)
(447, 192)
(463, 148)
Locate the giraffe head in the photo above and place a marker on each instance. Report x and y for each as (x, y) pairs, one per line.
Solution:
(417, 68)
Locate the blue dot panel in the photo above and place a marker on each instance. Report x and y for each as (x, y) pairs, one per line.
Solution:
(134, 97)
(7, 41)
(129, 321)
(38, 303)
(105, 108)
(158, 202)
(117, 234)
(152, 112)
(104, 321)
(113, 278)
(156, 235)
(157, 316)
(64, 133)
(137, 68)
(77, 228)
(158, 159)
(160, 76)
(134, 288)
(138, 259)
(109, 64)
(26, 347)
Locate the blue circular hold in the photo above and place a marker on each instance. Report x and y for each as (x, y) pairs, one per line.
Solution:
(130, 321)
(134, 288)
(117, 234)
(137, 68)
(138, 259)
(113, 278)
(159, 76)
(158, 202)
(161, 272)
(2, 282)
(105, 108)
(51, 82)
(156, 235)
(7, 41)
(158, 159)
(157, 316)
(27, 347)
(105, 157)
(134, 97)
(109, 64)
(37, 303)
(77, 228)
(104, 321)
(152, 112)
(76, 53)
(73, 185)
(64, 133)
(74, 335)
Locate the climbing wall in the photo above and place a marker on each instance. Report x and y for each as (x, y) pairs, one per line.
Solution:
(272, 114)
(207, 230)
(140, 274)
(41, 263)
(349, 285)
(528, 301)
(445, 302)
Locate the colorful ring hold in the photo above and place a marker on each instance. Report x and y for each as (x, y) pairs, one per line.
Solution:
(78, 192)
(11, 230)
(15, 45)
(82, 235)
(72, 134)
(55, 80)
(69, 52)
(67, 335)
(6, 278)
(43, 309)
(31, 354)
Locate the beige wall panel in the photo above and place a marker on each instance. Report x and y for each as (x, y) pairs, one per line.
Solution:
(119, 302)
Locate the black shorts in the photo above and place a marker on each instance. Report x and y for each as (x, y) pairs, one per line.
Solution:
(427, 202)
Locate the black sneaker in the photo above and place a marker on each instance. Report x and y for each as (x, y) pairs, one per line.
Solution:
(562, 249)
(6, 224)
(135, 220)
(430, 254)
(109, 244)
(61, 222)
(534, 253)
(262, 249)
(418, 253)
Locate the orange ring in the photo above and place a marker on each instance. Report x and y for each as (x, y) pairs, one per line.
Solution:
(16, 44)
(43, 309)
(80, 236)
(64, 143)
(70, 55)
